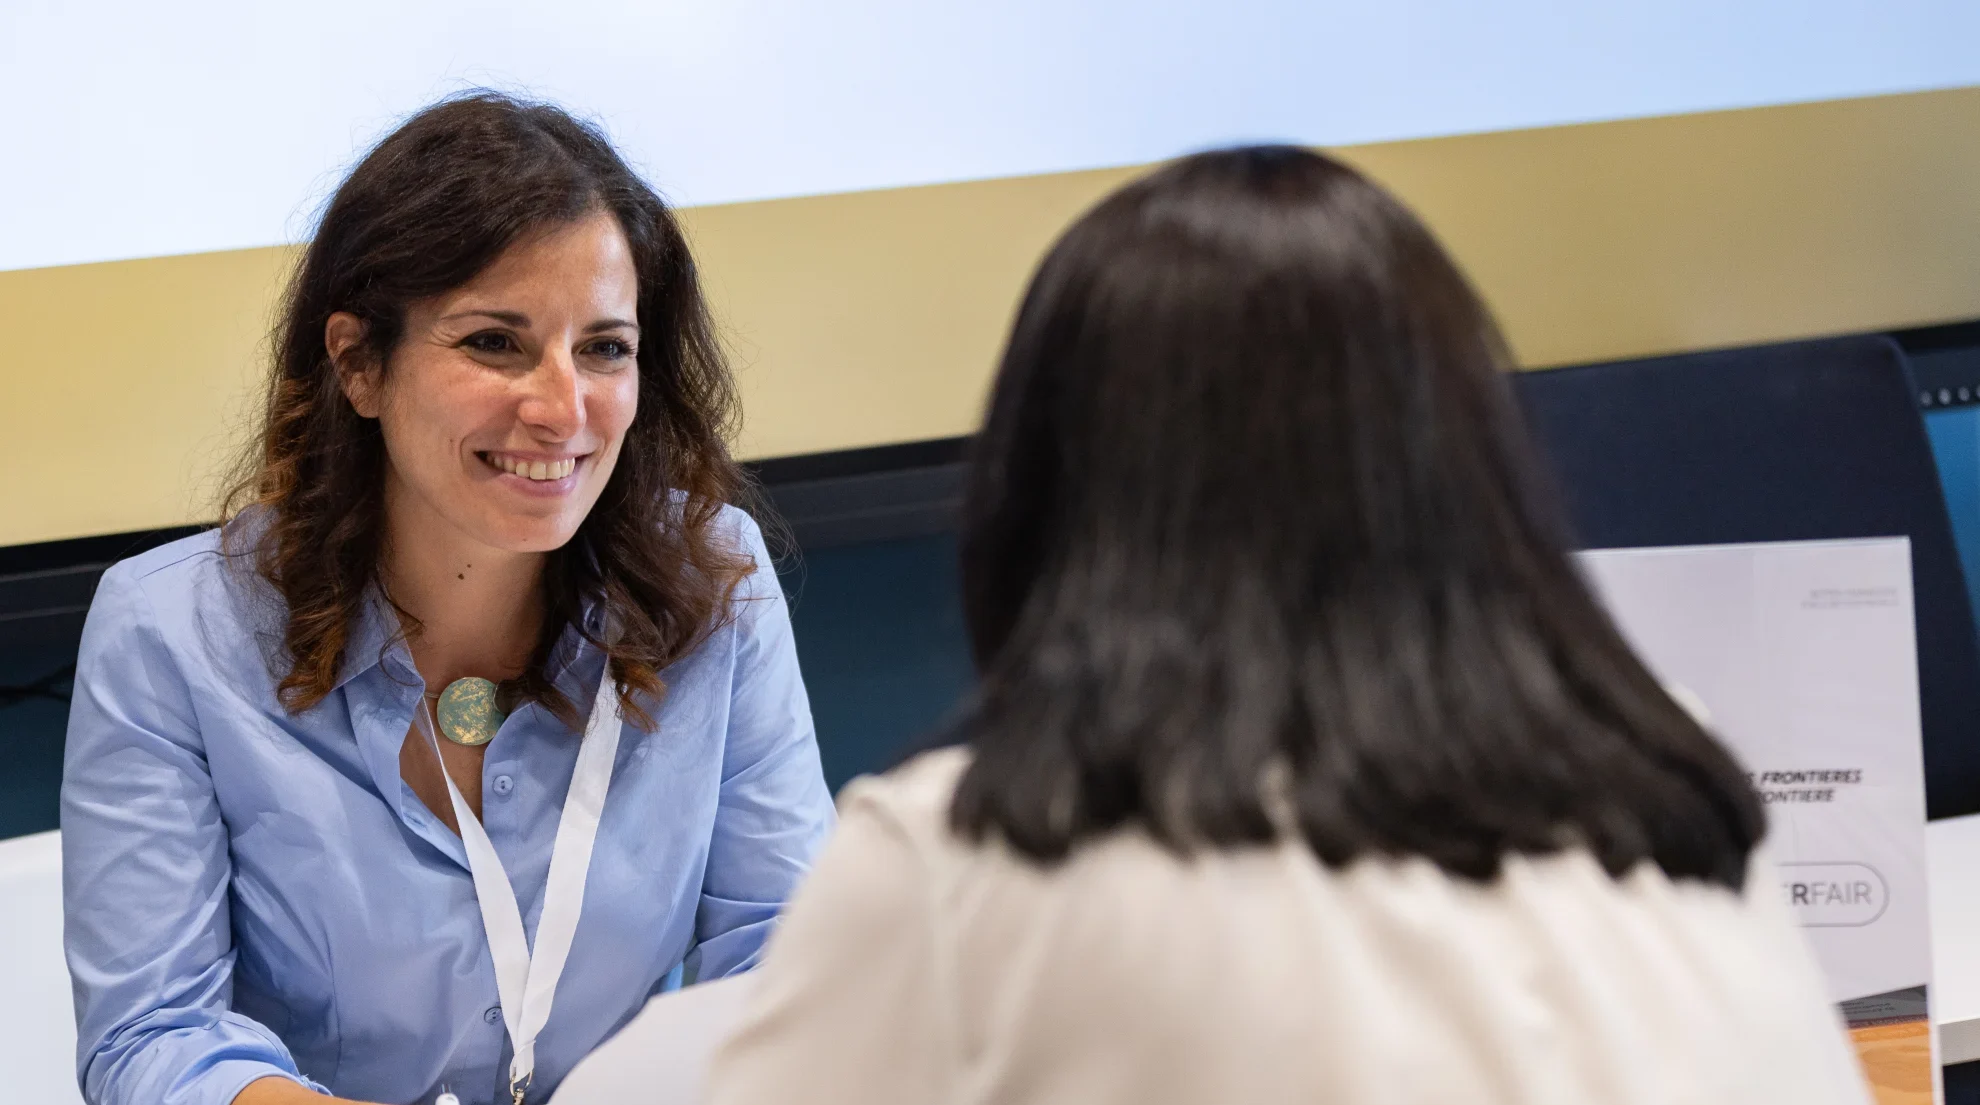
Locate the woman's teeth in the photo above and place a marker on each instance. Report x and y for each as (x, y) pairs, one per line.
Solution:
(534, 469)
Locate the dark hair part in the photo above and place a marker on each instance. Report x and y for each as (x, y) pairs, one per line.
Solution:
(427, 210)
(1253, 543)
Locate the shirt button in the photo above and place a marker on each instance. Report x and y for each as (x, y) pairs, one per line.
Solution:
(504, 784)
(493, 1015)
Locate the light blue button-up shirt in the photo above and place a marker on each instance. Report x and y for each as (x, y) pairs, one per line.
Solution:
(254, 893)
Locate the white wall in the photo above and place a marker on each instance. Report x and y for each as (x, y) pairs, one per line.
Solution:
(138, 129)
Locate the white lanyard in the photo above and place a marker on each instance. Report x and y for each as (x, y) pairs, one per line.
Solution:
(527, 983)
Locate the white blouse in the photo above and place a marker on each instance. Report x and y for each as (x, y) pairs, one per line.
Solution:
(916, 967)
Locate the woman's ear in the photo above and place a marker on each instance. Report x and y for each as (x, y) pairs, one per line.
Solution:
(343, 339)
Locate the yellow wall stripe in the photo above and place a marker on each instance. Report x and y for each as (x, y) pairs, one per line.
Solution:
(875, 317)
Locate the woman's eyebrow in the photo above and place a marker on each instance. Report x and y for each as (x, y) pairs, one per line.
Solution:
(507, 318)
(610, 324)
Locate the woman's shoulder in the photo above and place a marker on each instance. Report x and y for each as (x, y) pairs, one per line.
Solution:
(732, 523)
(200, 587)
(738, 532)
(175, 576)
(914, 796)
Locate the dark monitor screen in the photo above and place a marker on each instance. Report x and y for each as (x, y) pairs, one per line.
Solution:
(1948, 379)
(1804, 441)
(1955, 436)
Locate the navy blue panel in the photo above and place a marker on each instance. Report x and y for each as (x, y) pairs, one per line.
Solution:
(1777, 443)
(34, 713)
(880, 637)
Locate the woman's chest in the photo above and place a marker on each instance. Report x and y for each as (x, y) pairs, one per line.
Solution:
(346, 883)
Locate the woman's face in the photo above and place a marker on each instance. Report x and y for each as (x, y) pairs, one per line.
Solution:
(505, 403)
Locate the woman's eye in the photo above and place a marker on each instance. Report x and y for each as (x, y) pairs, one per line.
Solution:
(611, 349)
(489, 341)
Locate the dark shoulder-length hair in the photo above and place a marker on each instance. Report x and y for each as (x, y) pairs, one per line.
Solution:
(1254, 544)
(425, 211)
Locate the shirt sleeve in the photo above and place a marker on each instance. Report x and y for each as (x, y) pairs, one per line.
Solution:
(847, 1008)
(774, 811)
(145, 878)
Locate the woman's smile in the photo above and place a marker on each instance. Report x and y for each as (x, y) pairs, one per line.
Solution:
(534, 473)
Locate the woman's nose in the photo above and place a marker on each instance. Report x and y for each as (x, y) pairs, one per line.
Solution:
(553, 399)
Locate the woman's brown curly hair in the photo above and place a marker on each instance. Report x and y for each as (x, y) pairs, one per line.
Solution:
(425, 211)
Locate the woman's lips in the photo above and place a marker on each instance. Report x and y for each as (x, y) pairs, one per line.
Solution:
(535, 475)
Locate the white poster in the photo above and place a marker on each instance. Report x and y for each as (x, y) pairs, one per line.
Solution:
(1804, 657)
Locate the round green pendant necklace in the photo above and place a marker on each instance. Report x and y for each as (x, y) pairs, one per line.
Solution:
(468, 713)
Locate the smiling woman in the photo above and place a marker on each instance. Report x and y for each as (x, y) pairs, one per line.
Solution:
(508, 400)
(501, 402)
(491, 502)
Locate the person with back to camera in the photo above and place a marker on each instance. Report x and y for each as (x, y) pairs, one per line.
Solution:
(1303, 766)
(486, 699)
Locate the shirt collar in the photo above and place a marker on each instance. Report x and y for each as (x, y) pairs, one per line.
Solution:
(377, 638)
